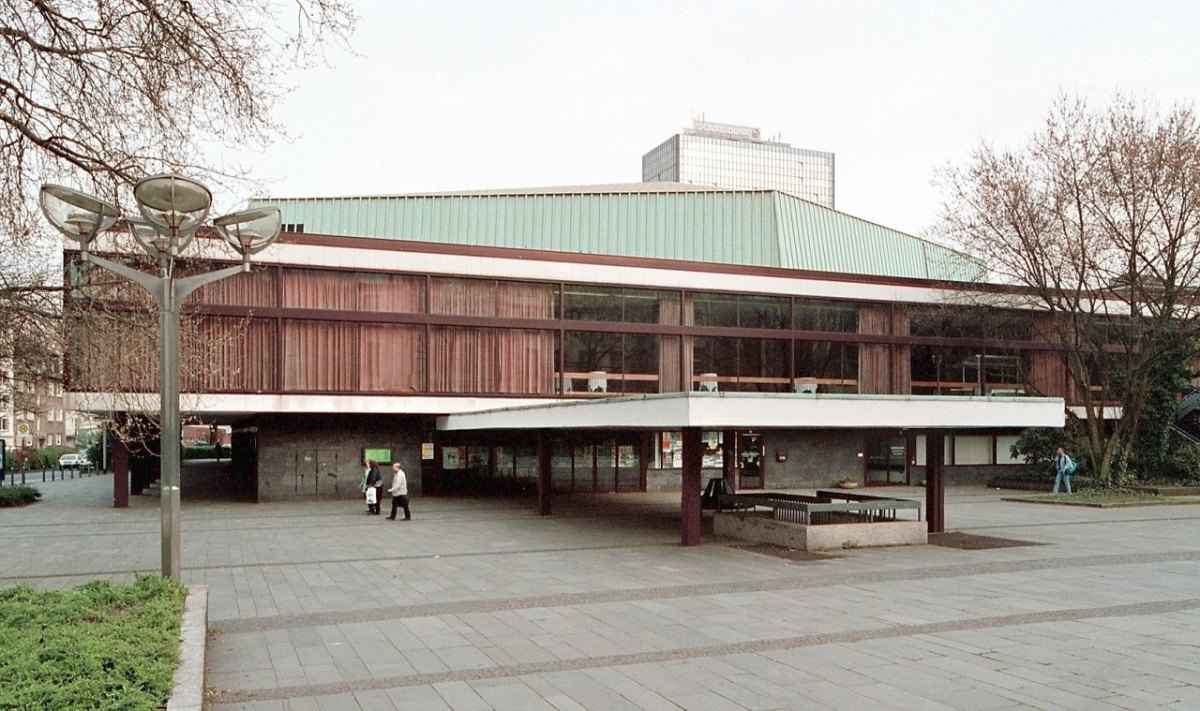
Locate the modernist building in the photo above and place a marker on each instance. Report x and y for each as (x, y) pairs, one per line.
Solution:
(593, 339)
(727, 156)
(32, 414)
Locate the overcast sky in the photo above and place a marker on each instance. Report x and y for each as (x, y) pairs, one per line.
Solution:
(469, 95)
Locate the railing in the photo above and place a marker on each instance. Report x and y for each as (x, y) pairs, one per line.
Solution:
(823, 508)
(1188, 405)
(968, 388)
(580, 383)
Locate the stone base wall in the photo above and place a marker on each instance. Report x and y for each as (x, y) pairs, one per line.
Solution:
(761, 529)
(812, 459)
(321, 455)
(971, 475)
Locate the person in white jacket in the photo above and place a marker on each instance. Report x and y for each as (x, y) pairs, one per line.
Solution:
(399, 492)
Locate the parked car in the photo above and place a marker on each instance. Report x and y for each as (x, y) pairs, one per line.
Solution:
(73, 461)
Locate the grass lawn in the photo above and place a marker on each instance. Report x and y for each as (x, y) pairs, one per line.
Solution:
(98, 646)
(1108, 499)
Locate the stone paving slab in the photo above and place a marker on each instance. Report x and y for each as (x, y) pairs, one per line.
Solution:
(480, 604)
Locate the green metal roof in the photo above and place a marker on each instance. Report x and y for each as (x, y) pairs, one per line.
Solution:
(763, 228)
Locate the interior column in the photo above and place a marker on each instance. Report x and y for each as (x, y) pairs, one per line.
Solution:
(729, 470)
(544, 483)
(693, 459)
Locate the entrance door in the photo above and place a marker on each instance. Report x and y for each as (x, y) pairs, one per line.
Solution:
(750, 459)
(886, 460)
(316, 472)
(629, 471)
(307, 479)
(327, 467)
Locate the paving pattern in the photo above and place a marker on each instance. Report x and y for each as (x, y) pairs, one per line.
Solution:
(478, 604)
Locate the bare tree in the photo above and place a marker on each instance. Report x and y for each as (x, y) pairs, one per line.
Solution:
(98, 94)
(1097, 219)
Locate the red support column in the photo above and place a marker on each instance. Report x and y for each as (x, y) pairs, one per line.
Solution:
(120, 465)
(544, 483)
(935, 483)
(693, 459)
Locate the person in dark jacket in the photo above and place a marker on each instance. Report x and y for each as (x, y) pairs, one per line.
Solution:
(373, 480)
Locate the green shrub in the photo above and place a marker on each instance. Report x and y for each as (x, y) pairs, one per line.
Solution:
(95, 454)
(1036, 446)
(198, 451)
(18, 495)
(39, 459)
(205, 451)
(100, 645)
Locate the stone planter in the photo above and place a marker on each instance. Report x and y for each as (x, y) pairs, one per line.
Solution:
(760, 529)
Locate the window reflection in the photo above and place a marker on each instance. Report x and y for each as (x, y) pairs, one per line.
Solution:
(816, 315)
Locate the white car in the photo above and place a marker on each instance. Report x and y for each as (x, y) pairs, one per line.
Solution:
(73, 461)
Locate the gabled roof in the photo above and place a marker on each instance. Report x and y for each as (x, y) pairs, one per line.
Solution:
(762, 228)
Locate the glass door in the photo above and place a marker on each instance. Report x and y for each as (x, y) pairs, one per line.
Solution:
(750, 459)
(887, 461)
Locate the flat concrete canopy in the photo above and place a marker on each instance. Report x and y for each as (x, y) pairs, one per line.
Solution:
(692, 413)
(672, 411)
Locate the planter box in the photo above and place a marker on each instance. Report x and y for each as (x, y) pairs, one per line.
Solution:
(835, 536)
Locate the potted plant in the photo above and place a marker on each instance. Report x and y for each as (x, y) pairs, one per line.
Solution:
(848, 482)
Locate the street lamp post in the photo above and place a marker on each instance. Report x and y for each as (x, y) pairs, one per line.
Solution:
(173, 208)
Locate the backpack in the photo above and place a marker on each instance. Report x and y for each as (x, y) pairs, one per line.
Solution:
(1069, 467)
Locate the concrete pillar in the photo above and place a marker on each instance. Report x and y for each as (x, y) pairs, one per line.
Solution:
(693, 460)
(120, 465)
(935, 483)
(544, 454)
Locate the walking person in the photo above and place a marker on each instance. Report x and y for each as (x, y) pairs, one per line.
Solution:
(1063, 467)
(399, 492)
(372, 486)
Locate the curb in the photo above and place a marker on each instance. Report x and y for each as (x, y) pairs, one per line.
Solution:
(188, 694)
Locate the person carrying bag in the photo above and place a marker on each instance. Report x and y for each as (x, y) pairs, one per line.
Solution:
(372, 483)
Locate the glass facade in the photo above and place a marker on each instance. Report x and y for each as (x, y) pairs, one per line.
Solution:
(702, 159)
(334, 331)
(964, 352)
(661, 165)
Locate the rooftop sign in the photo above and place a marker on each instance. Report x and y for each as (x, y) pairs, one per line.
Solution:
(725, 130)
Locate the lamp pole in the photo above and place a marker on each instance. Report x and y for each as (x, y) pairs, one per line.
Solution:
(173, 208)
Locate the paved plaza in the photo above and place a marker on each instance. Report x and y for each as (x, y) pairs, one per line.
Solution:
(481, 604)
